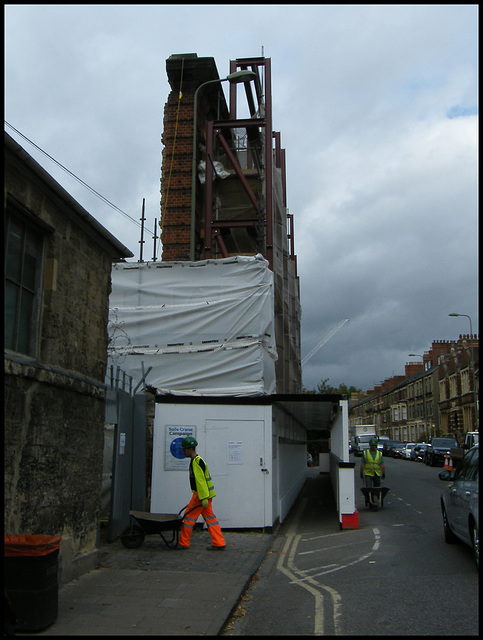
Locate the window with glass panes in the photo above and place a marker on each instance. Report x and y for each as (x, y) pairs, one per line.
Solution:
(23, 269)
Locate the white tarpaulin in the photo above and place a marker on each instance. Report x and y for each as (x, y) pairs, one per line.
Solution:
(205, 328)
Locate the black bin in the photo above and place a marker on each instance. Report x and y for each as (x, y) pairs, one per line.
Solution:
(31, 583)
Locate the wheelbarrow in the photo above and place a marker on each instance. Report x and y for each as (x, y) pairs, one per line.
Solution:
(144, 523)
(381, 492)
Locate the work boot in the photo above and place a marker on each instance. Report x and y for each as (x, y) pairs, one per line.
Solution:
(213, 548)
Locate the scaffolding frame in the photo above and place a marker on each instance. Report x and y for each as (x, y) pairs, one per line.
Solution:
(220, 134)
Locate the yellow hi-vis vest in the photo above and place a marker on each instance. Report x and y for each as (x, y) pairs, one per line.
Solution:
(200, 479)
(372, 464)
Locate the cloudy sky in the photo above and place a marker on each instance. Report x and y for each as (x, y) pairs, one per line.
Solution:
(377, 109)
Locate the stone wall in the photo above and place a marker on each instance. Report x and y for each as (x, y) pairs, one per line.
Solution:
(55, 401)
(53, 460)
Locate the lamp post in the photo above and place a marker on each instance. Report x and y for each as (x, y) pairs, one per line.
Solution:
(457, 315)
(418, 355)
(243, 75)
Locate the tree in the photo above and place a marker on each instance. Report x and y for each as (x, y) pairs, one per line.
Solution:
(324, 387)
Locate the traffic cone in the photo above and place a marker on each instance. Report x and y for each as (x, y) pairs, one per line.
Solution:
(446, 462)
(450, 463)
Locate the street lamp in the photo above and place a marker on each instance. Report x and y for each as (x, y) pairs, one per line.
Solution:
(244, 75)
(418, 355)
(457, 315)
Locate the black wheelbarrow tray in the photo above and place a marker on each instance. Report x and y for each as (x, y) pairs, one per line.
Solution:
(144, 523)
(381, 491)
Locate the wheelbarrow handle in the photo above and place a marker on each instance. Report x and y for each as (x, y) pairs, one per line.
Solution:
(192, 509)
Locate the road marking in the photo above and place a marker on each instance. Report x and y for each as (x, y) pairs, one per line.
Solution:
(347, 532)
(288, 554)
(338, 546)
(375, 547)
(377, 541)
(302, 579)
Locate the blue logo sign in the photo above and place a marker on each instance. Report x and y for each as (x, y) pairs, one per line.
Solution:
(176, 450)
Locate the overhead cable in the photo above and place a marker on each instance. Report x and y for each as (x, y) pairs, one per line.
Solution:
(96, 193)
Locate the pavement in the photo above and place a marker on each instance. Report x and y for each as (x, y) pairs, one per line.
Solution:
(155, 590)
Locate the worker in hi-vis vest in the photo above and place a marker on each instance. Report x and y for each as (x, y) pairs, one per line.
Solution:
(372, 467)
(200, 503)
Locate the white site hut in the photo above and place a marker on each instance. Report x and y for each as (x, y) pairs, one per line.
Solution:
(205, 332)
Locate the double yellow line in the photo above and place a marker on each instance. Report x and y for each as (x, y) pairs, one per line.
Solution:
(287, 566)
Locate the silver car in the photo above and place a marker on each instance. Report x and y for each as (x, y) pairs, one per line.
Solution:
(406, 452)
(459, 503)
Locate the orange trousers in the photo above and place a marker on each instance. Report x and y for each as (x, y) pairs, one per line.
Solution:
(190, 519)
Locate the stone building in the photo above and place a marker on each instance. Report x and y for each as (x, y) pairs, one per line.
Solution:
(457, 378)
(57, 283)
(434, 397)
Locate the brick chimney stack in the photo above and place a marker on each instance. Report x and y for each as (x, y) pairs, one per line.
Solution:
(185, 73)
(412, 367)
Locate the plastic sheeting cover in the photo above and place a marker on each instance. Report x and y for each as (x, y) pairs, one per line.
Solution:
(205, 328)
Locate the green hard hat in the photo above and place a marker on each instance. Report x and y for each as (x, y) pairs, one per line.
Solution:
(373, 441)
(189, 443)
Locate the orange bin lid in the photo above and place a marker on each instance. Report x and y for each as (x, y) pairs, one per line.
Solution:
(30, 545)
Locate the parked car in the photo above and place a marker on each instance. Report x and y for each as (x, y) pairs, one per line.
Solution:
(386, 446)
(381, 440)
(387, 451)
(459, 502)
(437, 449)
(417, 452)
(406, 452)
(397, 450)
